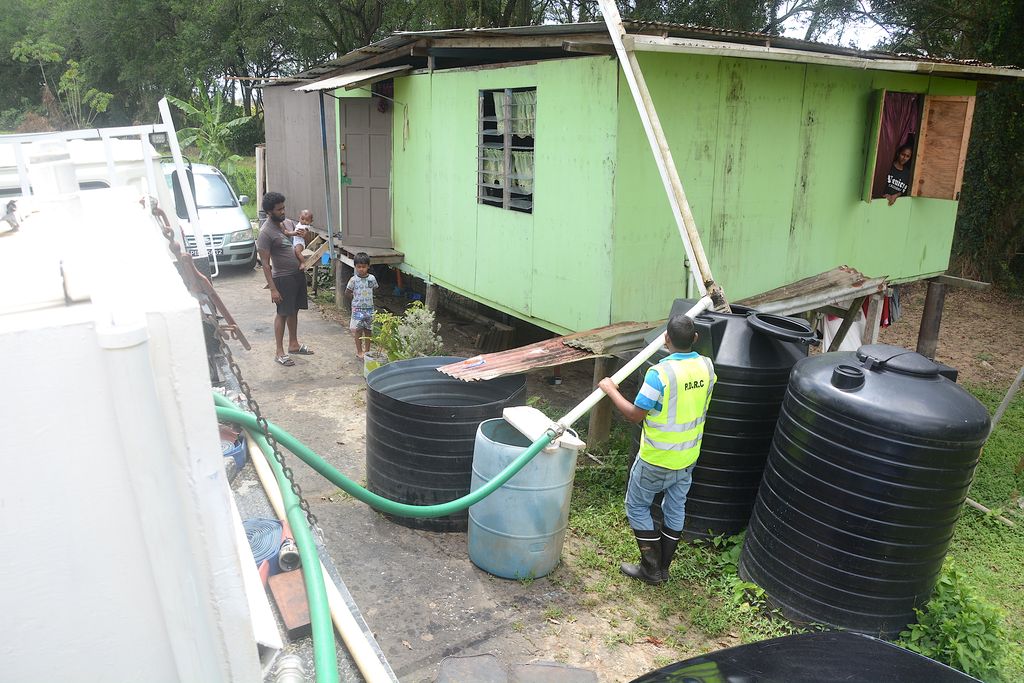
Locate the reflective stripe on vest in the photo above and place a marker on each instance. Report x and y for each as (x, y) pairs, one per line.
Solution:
(672, 437)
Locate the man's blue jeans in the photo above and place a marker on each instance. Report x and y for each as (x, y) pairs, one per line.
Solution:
(646, 481)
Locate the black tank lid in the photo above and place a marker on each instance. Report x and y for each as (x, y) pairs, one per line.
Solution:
(898, 360)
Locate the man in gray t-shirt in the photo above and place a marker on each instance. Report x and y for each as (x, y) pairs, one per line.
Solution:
(285, 279)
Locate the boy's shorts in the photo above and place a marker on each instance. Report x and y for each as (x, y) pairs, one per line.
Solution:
(361, 320)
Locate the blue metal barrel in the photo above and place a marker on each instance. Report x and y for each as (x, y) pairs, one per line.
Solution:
(517, 532)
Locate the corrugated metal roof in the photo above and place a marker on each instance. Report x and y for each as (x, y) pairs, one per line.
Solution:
(612, 339)
(597, 30)
(550, 352)
(831, 287)
(354, 78)
(543, 354)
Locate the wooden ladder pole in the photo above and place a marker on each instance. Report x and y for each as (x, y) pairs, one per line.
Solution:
(662, 156)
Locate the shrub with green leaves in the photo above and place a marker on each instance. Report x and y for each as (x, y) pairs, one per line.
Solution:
(410, 336)
(243, 179)
(960, 629)
(418, 334)
(385, 335)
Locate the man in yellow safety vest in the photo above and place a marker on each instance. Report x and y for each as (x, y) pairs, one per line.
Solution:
(672, 404)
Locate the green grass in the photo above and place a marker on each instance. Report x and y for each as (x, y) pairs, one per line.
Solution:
(702, 600)
(989, 552)
(706, 600)
(244, 182)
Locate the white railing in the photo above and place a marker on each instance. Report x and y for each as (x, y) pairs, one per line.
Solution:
(105, 135)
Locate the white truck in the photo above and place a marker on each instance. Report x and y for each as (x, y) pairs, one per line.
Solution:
(108, 158)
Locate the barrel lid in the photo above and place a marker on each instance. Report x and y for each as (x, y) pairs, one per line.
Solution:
(897, 359)
(532, 424)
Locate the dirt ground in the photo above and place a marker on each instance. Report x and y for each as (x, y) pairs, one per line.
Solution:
(982, 333)
(418, 590)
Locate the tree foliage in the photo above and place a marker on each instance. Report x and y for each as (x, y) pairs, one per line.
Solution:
(210, 131)
(108, 62)
(76, 102)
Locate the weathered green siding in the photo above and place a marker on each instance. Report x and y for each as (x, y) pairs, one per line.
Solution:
(772, 158)
(771, 154)
(552, 266)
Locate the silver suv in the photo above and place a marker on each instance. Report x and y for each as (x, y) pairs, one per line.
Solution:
(229, 235)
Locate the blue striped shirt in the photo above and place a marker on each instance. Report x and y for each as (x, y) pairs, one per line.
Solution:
(649, 397)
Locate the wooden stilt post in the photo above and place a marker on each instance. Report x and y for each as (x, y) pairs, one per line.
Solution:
(340, 280)
(600, 425)
(873, 319)
(433, 297)
(928, 334)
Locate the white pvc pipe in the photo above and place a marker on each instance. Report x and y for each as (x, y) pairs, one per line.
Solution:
(685, 223)
(626, 370)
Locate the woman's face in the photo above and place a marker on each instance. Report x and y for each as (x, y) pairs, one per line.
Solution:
(903, 156)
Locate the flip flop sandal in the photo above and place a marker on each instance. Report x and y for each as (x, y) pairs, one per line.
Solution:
(284, 360)
(302, 351)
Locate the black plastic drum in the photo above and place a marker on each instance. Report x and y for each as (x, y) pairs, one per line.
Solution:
(753, 355)
(420, 430)
(869, 468)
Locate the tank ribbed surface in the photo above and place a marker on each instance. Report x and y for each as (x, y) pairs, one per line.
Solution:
(420, 429)
(753, 372)
(868, 470)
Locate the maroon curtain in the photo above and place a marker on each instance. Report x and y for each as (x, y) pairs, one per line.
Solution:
(900, 117)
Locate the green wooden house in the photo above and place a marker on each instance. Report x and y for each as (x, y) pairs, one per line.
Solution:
(510, 165)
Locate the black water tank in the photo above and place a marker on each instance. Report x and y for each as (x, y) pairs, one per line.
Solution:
(753, 357)
(868, 470)
(420, 430)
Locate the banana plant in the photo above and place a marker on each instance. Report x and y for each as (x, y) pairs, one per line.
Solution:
(208, 132)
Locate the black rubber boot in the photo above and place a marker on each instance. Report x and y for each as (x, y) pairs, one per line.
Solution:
(669, 543)
(649, 569)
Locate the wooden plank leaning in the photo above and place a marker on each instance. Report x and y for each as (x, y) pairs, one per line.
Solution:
(662, 156)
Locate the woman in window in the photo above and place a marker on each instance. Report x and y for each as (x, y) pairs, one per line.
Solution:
(897, 181)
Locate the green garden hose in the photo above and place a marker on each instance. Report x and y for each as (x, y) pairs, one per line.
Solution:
(325, 469)
(325, 654)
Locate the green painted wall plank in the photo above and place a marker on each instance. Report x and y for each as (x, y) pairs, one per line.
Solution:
(551, 266)
(898, 82)
(825, 228)
(951, 87)
(749, 234)
(784, 203)
(411, 197)
(646, 238)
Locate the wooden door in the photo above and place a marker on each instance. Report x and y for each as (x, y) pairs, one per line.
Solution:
(366, 165)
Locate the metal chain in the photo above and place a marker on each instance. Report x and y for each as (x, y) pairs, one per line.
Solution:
(253, 406)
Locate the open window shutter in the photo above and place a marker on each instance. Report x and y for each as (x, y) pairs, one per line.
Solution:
(942, 147)
(877, 103)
